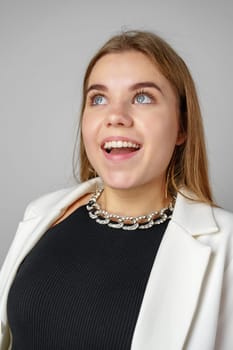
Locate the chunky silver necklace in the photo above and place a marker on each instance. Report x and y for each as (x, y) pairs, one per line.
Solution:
(127, 222)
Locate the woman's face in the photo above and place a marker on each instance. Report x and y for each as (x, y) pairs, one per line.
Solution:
(130, 123)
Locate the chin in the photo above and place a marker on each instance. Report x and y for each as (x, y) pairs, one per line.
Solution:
(119, 182)
(123, 182)
(117, 185)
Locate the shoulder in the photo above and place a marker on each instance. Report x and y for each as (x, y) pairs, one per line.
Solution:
(46, 201)
(192, 211)
(60, 199)
(224, 218)
(224, 237)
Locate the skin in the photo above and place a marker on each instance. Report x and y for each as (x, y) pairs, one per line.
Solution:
(119, 107)
(116, 107)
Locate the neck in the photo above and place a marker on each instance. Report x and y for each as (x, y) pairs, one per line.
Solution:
(134, 201)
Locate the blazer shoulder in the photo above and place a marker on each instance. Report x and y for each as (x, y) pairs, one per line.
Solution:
(40, 205)
(61, 198)
(224, 218)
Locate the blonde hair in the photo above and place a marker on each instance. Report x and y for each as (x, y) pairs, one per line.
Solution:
(188, 166)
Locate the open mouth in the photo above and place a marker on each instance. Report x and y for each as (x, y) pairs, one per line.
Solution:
(120, 147)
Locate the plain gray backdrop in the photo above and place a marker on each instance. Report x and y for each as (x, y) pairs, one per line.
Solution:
(45, 47)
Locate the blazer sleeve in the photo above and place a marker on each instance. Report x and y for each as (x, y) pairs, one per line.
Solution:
(224, 338)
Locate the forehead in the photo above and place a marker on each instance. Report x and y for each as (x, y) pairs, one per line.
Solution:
(127, 66)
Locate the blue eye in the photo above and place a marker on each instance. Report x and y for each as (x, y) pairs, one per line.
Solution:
(99, 100)
(142, 99)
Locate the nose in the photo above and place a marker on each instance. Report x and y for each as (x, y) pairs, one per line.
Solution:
(119, 116)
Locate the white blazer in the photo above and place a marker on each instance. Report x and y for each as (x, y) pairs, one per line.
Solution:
(188, 301)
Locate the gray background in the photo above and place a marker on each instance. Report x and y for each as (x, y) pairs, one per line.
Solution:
(45, 46)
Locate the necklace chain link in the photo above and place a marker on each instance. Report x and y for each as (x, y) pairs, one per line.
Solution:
(103, 217)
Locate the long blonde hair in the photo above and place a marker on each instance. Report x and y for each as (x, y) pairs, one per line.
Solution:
(188, 167)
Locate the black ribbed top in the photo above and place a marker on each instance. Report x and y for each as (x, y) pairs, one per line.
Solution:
(81, 286)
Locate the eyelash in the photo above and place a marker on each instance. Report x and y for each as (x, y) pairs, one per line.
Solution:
(143, 92)
(92, 96)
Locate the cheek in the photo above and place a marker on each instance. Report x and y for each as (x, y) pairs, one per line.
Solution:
(164, 130)
(85, 135)
(87, 129)
(171, 127)
(169, 139)
(89, 135)
(163, 138)
(84, 129)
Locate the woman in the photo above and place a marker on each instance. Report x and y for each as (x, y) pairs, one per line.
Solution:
(137, 256)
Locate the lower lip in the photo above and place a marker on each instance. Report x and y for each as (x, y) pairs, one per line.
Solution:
(118, 157)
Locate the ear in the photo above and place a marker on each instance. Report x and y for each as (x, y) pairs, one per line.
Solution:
(181, 138)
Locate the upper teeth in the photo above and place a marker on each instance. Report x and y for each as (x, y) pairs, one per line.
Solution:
(120, 144)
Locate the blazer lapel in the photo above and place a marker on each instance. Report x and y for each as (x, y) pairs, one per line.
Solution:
(31, 230)
(176, 280)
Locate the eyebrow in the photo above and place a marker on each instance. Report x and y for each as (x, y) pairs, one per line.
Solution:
(99, 87)
(136, 86)
(145, 85)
